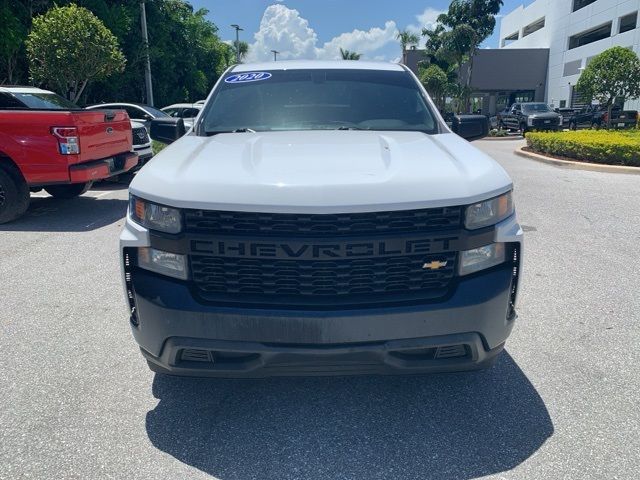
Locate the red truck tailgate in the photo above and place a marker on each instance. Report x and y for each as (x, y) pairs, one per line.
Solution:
(103, 133)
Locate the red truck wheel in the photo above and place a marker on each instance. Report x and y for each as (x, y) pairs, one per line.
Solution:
(14, 196)
(68, 191)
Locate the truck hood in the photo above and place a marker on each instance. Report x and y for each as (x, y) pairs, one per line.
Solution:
(320, 171)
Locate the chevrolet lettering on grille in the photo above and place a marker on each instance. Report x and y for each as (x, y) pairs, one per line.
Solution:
(324, 251)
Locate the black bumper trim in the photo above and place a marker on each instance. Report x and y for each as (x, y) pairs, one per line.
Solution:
(256, 360)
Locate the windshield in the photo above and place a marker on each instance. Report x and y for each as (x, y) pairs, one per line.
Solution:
(536, 107)
(155, 112)
(319, 99)
(46, 101)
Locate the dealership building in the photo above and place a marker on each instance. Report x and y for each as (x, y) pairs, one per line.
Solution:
(573, 31)
(544, 47)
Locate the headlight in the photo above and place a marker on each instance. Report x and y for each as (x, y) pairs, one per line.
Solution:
(472, 261)
(489, 212)
(154, 216)
(164, 263)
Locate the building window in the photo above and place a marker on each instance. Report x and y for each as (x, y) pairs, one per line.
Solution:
(628, 22)
(572, 68)
(578, 4)
(510, 39)
(590, 36)
(563, 104)
(533, 27)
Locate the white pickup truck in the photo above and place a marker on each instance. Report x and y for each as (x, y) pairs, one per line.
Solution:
(320, 218)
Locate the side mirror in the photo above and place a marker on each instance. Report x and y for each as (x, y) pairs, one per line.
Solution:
(167, 130)
(471, 127)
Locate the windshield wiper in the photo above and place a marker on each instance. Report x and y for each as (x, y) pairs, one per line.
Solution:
(237, 130)
(346, 127)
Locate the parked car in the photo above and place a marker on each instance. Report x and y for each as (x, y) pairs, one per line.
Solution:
(496, 120)
(567, 113)
(187, 111)
(531, 116)
(137, 112)
(141, 143)
(48, 142)
(309, 227)
(593, 116)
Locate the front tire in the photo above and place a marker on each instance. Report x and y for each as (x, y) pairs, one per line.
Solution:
(68, 191)
(14, 196)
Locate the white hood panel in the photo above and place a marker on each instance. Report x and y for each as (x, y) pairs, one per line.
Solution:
(320, 172)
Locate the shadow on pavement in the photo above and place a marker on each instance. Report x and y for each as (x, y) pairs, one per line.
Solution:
(448, 426)
(81, 214)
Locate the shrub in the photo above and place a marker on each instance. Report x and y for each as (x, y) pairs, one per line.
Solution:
(603, 146)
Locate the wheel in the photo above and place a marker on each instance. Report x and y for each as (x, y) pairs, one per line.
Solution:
(68, 191)
(14, 196)
(595, 126)
(501, 126)
(524, 129)
(573, 126)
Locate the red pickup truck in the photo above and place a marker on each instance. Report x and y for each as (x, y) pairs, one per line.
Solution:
(48, 142)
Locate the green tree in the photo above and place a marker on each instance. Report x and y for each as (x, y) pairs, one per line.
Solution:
(244, 49)
(14, 33)
(349, 55)
(460, 31)
(437, 83)
(68, 47)
(615, 73)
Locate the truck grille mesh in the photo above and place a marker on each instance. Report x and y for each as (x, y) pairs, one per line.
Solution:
(309, 225)
(323, 282)
(307, 281)
(140, 136)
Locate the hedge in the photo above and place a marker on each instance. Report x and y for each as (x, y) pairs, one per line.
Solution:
(594, 146)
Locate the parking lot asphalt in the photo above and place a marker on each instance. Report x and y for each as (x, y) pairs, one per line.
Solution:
(563, 402)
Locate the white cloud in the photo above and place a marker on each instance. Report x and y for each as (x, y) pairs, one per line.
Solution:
(426, 19)
(284, 30)
(360, 41)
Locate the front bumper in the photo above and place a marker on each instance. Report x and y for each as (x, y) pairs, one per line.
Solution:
(180, 336)
(102, 169)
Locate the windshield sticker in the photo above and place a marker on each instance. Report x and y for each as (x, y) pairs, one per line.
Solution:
(248, 77)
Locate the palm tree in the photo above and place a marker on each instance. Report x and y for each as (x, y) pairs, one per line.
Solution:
(348, 55)
(407, 39)
(244, 49)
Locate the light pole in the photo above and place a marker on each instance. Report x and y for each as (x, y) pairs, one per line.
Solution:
(275, 55)
(238, 30)
(147, 64)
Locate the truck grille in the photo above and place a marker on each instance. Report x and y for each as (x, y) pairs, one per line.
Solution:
(370, 280)
(140, 136)
(541, 123)
(309, 225)
(379, 271)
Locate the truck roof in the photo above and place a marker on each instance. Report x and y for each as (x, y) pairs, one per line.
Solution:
(317, 64)
(22, 89)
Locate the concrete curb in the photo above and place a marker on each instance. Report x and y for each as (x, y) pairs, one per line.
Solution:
(498, 139)
(593, 167)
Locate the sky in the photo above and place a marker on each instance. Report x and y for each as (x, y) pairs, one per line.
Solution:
(316, 29)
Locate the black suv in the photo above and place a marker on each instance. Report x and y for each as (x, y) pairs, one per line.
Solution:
(530, 116)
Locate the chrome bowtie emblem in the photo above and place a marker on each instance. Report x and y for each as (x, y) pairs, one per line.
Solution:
(435, 265)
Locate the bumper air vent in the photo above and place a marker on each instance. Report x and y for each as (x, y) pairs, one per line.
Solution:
(195, 355)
